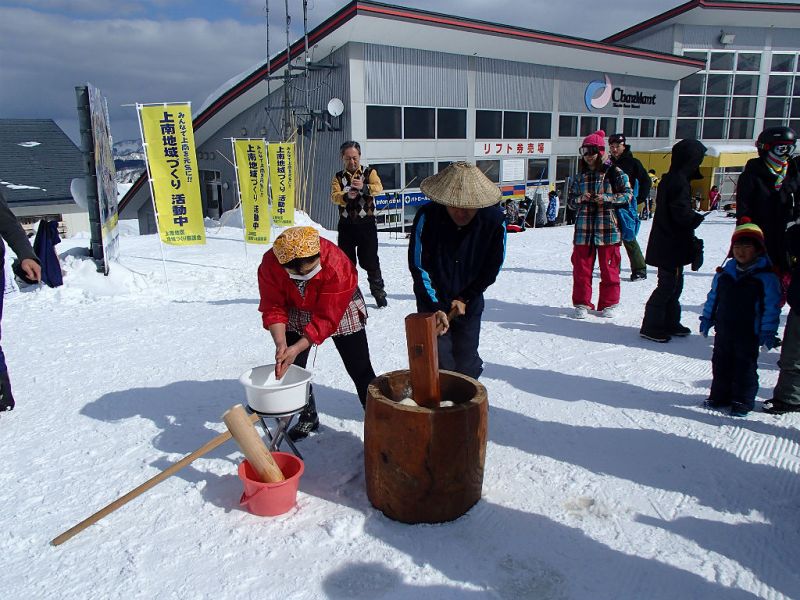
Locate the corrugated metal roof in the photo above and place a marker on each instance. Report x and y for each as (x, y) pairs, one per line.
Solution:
(37, 162)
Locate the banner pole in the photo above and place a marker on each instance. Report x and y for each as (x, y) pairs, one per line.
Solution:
(239, 194)
(153, 193)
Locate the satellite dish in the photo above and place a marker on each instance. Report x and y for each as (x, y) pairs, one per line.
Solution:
(335, 107)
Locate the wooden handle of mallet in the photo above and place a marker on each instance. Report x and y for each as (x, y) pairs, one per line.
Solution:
(152, 482)
(253, 447)
(450, 316)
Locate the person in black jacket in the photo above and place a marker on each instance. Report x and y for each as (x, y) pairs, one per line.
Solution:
(672, 242)
(629, 216)
(14, 235)
(456, 251)
(768, 190)
(786, 395)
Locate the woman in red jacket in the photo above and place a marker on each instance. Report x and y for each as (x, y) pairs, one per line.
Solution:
(309, 292)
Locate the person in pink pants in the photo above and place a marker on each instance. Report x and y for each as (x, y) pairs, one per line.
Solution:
(595, 192)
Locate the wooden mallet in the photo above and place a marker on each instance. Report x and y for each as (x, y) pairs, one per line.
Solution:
(253, 447)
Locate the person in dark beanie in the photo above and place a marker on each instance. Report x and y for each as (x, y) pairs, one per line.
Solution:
(768, 190)
(353, 190)
(744, 308)
(672, 242)
(620, 155)
(14, 235)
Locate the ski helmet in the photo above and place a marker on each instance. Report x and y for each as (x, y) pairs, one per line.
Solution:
(778, 138)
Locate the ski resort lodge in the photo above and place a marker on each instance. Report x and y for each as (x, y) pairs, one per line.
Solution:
(420, 89)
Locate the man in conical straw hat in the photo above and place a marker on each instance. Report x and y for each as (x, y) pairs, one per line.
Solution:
(456, 251)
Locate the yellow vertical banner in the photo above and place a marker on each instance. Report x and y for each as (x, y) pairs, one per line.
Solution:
(171, 163)
(251, 176)
(282, 173)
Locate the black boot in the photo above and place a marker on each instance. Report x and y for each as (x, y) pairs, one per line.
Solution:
(308, 421)
(376, 287)
(6, 398)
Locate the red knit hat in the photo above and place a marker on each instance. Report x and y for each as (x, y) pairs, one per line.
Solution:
(598, 138)
(747, 230)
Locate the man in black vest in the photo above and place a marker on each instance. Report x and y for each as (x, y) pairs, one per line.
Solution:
(353, 190)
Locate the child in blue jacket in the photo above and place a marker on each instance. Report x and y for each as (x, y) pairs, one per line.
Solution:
(744, 307)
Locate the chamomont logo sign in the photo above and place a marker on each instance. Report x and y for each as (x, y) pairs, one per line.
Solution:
(602, 99)
(599, 93)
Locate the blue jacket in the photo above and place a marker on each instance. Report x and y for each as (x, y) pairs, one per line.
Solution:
(744, 304)
(448, 262)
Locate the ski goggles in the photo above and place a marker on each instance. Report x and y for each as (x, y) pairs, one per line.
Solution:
(590, 150)
(783, 149)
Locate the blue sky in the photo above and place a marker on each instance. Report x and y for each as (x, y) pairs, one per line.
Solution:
(47, 47)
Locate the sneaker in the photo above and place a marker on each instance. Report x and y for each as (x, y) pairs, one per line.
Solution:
(777, 407)
(581, 311)
(308, 422)
(680, 331)
(609, 311)
(655, 335)
(638, 275)
(737, 410)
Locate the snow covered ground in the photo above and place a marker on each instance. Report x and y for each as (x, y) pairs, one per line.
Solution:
(604, 476)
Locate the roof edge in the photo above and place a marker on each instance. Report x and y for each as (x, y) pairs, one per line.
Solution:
(704, 4)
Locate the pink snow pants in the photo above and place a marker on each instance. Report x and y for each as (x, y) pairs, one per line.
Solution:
(582, 267)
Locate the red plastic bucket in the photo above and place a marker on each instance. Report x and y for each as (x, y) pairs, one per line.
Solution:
(271, 499)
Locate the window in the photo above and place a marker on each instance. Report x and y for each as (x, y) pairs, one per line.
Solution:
(697, 55)
(451, 124)
(776, 107)
(687, 129)
(721, 61)
(724, 95)
(693, 84)
(608, 124)
(515, 125)
(662, 128)
(566, 166)
(418, 123)
(748, 61)
(713, 129)
(647, 128)
(443, 164)
(538, 169)
(490, 168)
(783, 63)
(539, 125)
(389, 174)
(588, 125)
(630, 127)
(383, 122)
(416, 172)
(567, 126)
(779, 85)
(488, 124)
(716, 106)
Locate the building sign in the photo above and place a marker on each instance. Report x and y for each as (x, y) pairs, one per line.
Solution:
(171, 156)
(513, 169)
(250, 157)
(599, 93)
(512, 148)
(513, 192)
(282, 183)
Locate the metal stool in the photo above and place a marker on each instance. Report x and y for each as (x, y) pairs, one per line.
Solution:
(278, 434)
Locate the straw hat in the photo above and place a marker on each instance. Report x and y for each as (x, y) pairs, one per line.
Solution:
(461, 185)
(296, 242)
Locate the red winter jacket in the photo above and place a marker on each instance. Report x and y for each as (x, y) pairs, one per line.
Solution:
(327, 294)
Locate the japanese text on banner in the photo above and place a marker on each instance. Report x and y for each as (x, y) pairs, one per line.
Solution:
(171, 159)
(251, 169)
(282, 182)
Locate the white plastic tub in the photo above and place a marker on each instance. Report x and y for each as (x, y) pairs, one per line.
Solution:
(265, 394)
